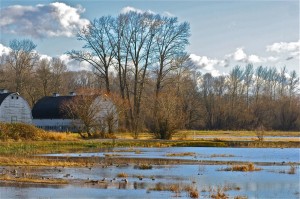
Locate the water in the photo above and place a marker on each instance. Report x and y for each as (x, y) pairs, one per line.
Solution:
(271, 182)
(205, 153)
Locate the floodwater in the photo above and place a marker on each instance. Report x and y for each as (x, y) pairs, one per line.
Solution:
(203, 153)
(272, 181)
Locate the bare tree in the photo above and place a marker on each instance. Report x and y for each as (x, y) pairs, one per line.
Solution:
(170, 42)
(100, 51)
(21, 59)
(140, 33)
(84, 110)
(248, 78)
(58, 68)
(44, 76)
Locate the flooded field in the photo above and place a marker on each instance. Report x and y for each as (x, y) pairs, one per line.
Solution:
(276, 175)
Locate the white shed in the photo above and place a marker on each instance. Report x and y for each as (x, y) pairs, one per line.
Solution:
(14, 108)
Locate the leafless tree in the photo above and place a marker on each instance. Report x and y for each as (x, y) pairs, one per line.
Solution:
(99, 52)
(21, 60)
(44, 76)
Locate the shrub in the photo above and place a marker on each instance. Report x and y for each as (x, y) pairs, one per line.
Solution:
(19, 131)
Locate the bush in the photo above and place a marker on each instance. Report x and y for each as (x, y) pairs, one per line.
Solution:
(19, 131)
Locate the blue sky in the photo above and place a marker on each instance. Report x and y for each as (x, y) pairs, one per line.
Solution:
(224, 33)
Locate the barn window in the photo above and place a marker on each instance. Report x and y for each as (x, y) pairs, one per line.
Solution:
(17, 97)
(12, 97)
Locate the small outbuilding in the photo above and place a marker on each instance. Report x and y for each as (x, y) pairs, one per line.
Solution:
(14, 108)
(50, 113)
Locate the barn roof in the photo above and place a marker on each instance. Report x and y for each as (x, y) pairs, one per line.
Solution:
(50, 107)
(3, 96)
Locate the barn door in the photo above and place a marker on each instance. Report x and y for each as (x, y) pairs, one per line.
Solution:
(14, 119)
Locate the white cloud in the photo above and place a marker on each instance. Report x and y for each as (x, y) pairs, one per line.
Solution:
(54, 19)
(239, 55)
(128, 9)
(45, 57)
(205, 64)
(74, 65)
(4, 50)
(281, 47)
(254, 59)
(131, 9)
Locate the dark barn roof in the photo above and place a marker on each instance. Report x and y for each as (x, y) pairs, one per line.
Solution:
(3, 96)
(50, 108)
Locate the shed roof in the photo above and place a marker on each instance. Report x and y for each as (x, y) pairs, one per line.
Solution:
(3, 96)
(50, 107)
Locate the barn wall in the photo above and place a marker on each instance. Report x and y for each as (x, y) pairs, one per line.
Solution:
(55, 124)
(15, 109)
(106, 108)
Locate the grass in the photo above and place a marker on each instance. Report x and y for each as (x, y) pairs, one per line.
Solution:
(218, 194)
(143, 166)
(221, 155)
(191, 133)
(181, 154)
(33, 180)
(176, 188)
(244, 168)
(292, 169)
(41, 161)
(122, 175)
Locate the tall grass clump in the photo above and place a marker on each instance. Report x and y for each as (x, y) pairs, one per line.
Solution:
(27, 132)
(244, 168)
(19, 131)
(292, 169)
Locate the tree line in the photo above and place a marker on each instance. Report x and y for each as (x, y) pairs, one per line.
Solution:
(139, 61)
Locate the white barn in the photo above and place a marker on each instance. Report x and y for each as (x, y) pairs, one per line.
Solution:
(14, 108)
(48, 113)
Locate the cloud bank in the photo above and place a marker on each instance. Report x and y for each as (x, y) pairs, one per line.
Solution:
(285, 51)
(281, 47)
(51, 20)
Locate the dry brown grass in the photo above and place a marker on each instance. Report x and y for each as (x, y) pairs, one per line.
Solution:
(181, 154)
(292, 169)
(60, 136)
(218, 194)
(39, 161)
(176, 188)
(221, 155)
(33, 180)
(122, 175)
(244, 168)
(143, 166)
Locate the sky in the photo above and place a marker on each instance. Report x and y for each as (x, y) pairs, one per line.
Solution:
(223, 33)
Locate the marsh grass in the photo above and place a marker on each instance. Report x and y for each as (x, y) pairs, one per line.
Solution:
(240, 197)
(122, 175)
(181, 154)
(111, 155)
(244, 168)
(176, 188)
(292, 169)
(39, 180)
(221, 155)
(143, 166)
(219, 193)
